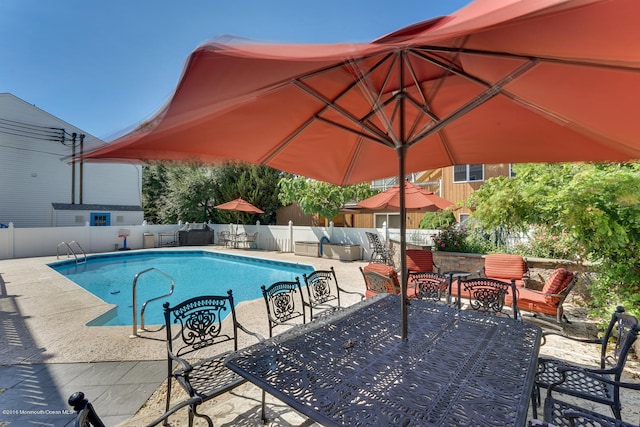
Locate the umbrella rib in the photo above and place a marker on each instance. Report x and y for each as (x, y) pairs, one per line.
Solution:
(485, 96)
(452, 70)
(384, 141)
(326, 105)
(374, 100)
(331, 104)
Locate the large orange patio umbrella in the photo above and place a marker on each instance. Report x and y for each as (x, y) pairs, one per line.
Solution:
(416, 199)
(496, 82)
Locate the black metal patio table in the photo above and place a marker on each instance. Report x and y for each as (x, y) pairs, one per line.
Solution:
(456, 368)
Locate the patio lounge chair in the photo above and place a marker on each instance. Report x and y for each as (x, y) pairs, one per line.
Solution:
(505, 267)
(550, 299)
(571, 379)
(381, 253)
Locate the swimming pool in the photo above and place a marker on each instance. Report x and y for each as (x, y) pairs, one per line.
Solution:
(110, 278)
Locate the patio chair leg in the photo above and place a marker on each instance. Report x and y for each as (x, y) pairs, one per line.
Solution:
(535, 400)
(264, 412)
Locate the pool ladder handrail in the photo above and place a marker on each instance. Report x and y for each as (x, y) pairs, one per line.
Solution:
(144, 306)
(70, 251)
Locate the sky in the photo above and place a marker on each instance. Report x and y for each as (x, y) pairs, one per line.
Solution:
(106, 66)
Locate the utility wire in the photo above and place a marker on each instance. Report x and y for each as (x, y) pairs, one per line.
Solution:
(45, 133)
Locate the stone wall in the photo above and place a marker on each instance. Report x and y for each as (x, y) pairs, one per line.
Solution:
(539, 268)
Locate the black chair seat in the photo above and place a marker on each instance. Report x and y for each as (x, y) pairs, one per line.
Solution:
(209, 378)
(576, 383)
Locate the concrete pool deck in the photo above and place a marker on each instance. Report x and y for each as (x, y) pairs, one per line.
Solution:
(47, 352)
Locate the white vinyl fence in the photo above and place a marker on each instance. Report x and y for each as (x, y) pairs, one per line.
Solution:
(35, 242)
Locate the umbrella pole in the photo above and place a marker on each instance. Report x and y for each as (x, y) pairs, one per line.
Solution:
(403, 231)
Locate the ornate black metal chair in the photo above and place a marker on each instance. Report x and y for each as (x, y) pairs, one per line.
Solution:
(200, 325)
(381, 253)
(86, 414)
(487, 295)
(571, 379)
(563, 413)
(378, 283)
(324, 291)
(428, 285)
(284, 303)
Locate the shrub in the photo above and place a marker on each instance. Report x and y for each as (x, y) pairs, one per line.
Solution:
(544, 243)
(450, 238)
(437, 220)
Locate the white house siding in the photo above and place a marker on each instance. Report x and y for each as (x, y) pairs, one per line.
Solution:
(34, 173)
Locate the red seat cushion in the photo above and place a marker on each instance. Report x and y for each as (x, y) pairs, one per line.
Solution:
(530, 300)
(419, 260)
(556, 283)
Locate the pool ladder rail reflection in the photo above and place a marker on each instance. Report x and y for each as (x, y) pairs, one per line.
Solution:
(70, 251)
(134, 321)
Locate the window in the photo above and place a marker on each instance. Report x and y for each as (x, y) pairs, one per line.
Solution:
(465, 173)
(392, 220)
(511, 171)
(463, 218)
(100, 219)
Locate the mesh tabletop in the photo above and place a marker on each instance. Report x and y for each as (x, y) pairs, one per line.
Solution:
(456, 368)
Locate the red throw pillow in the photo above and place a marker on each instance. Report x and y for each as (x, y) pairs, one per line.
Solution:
(419, 260)
(556, 283)
(504, 266)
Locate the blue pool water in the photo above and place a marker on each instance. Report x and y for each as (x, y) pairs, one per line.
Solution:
(195, 273)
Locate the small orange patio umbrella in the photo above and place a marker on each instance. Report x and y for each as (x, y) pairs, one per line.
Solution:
(239, 205)
(416, 198)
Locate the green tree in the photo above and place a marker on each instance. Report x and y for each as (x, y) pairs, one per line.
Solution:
(317, 197)
(257, 185)
(174, 193)
(154, 190)
(190, 194)
(437, 220)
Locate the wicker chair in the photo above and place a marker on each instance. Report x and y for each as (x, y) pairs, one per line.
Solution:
(571, 379)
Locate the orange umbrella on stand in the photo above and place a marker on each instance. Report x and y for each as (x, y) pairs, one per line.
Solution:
(510, 81)
(416, 198)
(239, 205)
